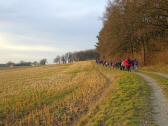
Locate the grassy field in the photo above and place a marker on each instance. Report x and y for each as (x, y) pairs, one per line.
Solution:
(74, 94)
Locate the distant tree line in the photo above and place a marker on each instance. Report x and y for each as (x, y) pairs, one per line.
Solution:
(24, 63)
(70, 57)
(133, 27)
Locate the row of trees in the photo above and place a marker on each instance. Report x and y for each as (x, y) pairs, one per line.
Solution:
(76, 56)
(69, 57)
(133, 27)
(24, 63)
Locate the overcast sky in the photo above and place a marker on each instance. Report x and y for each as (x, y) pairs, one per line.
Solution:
(35, 29)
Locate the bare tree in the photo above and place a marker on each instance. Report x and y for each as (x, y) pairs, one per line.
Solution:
(133, 26)
(57, 60)
(63, 60)
(10, 64)
(43, 62)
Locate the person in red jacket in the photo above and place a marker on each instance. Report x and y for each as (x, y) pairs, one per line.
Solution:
(127, 64)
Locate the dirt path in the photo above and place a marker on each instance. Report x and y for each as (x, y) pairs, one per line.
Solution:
(109, 81)
(159, 102)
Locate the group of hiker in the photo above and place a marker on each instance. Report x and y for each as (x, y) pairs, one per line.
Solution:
(125, 65)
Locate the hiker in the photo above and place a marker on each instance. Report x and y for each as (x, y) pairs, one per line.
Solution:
(135, 64)
(127, 64)
(118, 65)
(97, 61)
(132, 65)
(122, 65)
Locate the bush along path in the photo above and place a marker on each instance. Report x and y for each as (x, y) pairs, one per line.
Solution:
(159, 101)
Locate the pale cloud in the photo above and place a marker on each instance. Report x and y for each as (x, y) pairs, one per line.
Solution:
(32, 29)
(23, 48)
(5, 24)
(7, 44)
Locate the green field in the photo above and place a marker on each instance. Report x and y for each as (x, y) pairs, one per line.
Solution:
(76, 94)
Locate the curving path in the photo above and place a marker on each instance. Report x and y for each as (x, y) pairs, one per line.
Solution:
(159, 101)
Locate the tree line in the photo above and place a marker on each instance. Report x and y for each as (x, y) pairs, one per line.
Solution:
(133, 27)
(71, 57)
(68, 57)
(24, 63)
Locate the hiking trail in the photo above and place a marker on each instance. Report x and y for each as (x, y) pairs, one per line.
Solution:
(158, 100)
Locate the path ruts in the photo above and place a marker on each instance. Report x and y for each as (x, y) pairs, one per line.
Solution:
(159, 101)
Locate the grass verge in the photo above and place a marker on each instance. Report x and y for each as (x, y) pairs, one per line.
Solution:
(127, 103)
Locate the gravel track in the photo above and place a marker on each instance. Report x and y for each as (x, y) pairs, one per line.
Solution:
(159, 101)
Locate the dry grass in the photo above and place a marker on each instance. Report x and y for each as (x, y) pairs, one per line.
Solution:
(56, 95)
(48, 95)
(125, 104)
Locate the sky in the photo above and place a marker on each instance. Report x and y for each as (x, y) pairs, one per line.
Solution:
(34, 29)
